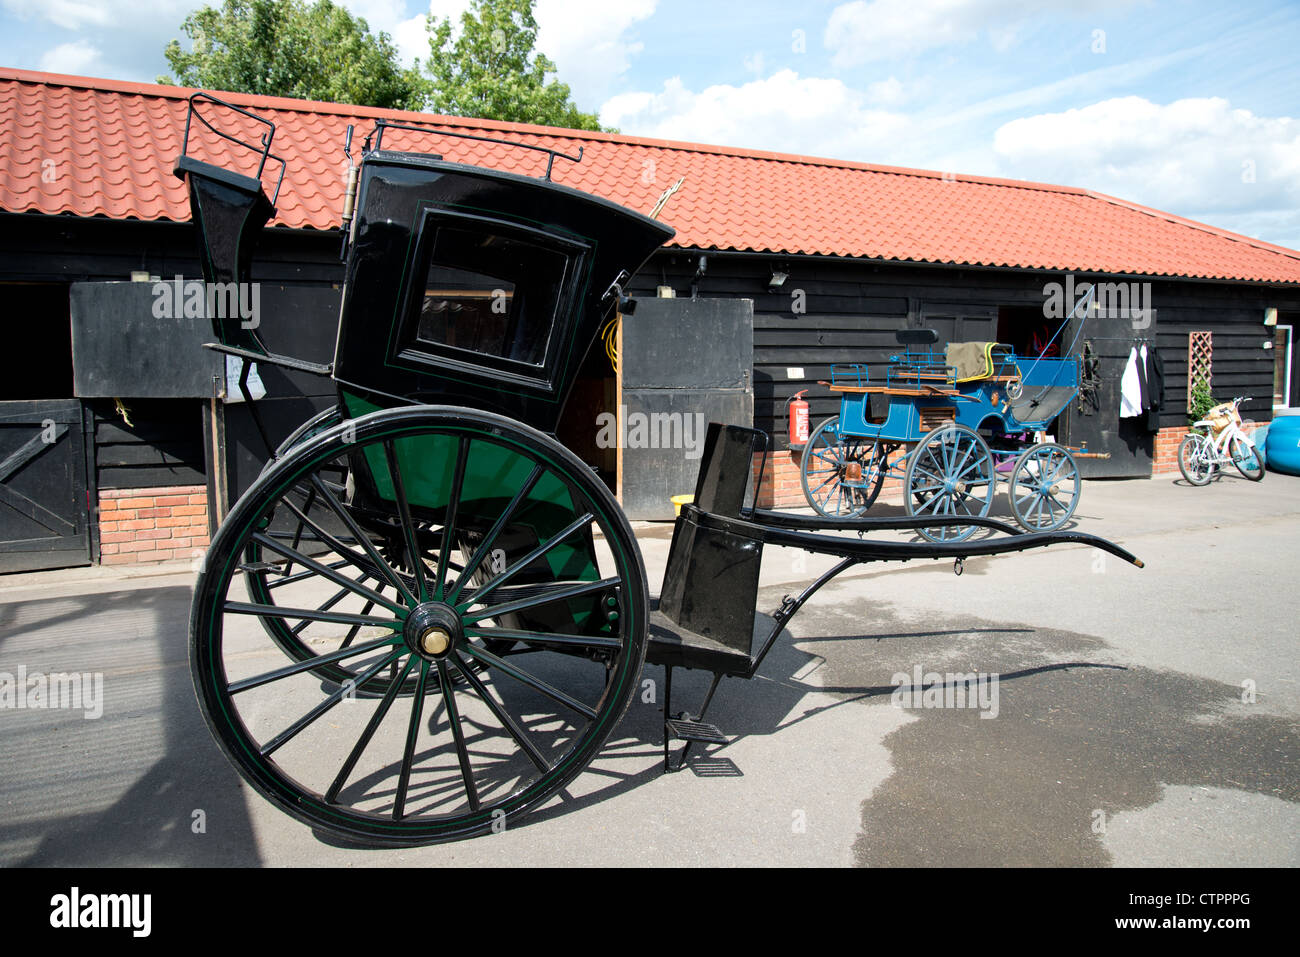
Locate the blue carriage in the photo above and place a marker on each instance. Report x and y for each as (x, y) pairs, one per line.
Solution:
(948, 425)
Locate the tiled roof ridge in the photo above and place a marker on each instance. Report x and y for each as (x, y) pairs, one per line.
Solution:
(1196, 224)
(290, 104)
(112, 141)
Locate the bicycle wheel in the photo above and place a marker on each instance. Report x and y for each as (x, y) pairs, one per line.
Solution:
(1196, 458)
(548, 568)
(1246, 458)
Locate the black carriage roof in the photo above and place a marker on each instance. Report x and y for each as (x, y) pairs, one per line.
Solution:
(433, 161)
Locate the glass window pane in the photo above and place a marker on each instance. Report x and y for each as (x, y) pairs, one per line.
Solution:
(490, 294)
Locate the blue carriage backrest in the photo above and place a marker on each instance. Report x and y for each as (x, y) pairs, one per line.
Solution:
(229, 210)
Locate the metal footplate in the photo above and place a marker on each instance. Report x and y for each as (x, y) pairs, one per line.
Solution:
(688, 729)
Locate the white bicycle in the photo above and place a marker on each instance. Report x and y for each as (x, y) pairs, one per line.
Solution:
(1202, 453)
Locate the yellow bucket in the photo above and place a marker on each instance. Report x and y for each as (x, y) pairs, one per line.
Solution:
(680, 500)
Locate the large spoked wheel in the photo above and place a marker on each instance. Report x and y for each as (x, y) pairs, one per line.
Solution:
(950, 475)
(1246, 458)
(1044, 487)
(841, 474)
(470, 668)
(1196, 459)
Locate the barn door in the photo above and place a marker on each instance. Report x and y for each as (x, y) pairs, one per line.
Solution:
(960, 321)
(44, 511)
(1093, 419)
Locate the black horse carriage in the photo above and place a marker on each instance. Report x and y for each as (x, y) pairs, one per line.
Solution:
(426, 616)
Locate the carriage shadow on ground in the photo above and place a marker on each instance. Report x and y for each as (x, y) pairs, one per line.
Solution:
(142, 785)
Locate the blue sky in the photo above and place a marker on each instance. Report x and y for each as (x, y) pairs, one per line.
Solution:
(1191, 107)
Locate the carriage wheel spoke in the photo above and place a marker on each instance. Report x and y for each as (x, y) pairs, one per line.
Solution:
(462, 752)
(299, 576)
(449, 523)
(297, 534)
(412, 734)
(491, 586)
(310, 614)
(565, 591)
(485, 546)
(331, 796)
(339, 546)
(545, 638)
(309, 664)
(337, 597)
(355, 629)
(537, 684)
(408, 526)
(337, 507)
(506, 721)
(347, 687)
(326, 572)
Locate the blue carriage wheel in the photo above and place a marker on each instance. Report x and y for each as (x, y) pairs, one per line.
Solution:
(1044, 487)
(950, 474)
(841, 474)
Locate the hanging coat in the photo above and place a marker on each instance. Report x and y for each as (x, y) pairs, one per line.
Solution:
(1155, 370)
(1130, 388)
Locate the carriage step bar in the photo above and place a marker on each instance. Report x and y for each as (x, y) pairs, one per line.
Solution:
(692, 731)
(687, 729)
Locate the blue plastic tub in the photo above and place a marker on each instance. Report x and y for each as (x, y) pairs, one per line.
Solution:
(1282, 449)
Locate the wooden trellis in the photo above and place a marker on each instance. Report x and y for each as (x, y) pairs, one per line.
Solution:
(1200, 358)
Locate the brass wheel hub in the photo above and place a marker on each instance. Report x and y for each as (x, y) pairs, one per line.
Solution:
(432, 630)
(435, 641)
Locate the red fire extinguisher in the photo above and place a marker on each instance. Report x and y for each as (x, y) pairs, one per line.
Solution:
(798, 420)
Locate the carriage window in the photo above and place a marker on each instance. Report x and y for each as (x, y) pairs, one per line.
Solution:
(491, 294)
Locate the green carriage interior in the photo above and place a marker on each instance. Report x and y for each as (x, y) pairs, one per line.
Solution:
(464, 286)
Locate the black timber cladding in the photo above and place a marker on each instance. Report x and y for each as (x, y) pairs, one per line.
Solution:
(852, 308)
(163, 445)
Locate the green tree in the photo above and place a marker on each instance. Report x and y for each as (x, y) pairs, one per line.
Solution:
(310, 51)
(490, 71)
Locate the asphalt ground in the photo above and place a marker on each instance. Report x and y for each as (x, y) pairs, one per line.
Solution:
(1143, 717)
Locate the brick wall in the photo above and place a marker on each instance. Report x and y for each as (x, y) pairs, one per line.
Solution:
(152, 524)
(1166, 450)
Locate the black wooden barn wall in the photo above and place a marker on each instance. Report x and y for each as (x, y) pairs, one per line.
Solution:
(163, 443)
(851, 310)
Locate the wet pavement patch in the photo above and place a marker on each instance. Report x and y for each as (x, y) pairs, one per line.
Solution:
(1076, 741)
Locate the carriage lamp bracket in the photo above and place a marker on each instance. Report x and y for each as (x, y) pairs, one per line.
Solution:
(626, 304)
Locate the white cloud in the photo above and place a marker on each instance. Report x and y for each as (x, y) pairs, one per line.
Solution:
(389, 16)
(110, 14)
(587, 40)
(1198, 157)
(74, 58)
(886, 92)
(867, 30)
(784, 112)
(69, 14)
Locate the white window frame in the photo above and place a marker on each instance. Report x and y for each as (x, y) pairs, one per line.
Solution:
(1290, 346)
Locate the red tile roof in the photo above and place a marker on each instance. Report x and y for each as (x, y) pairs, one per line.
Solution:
(102, 147)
